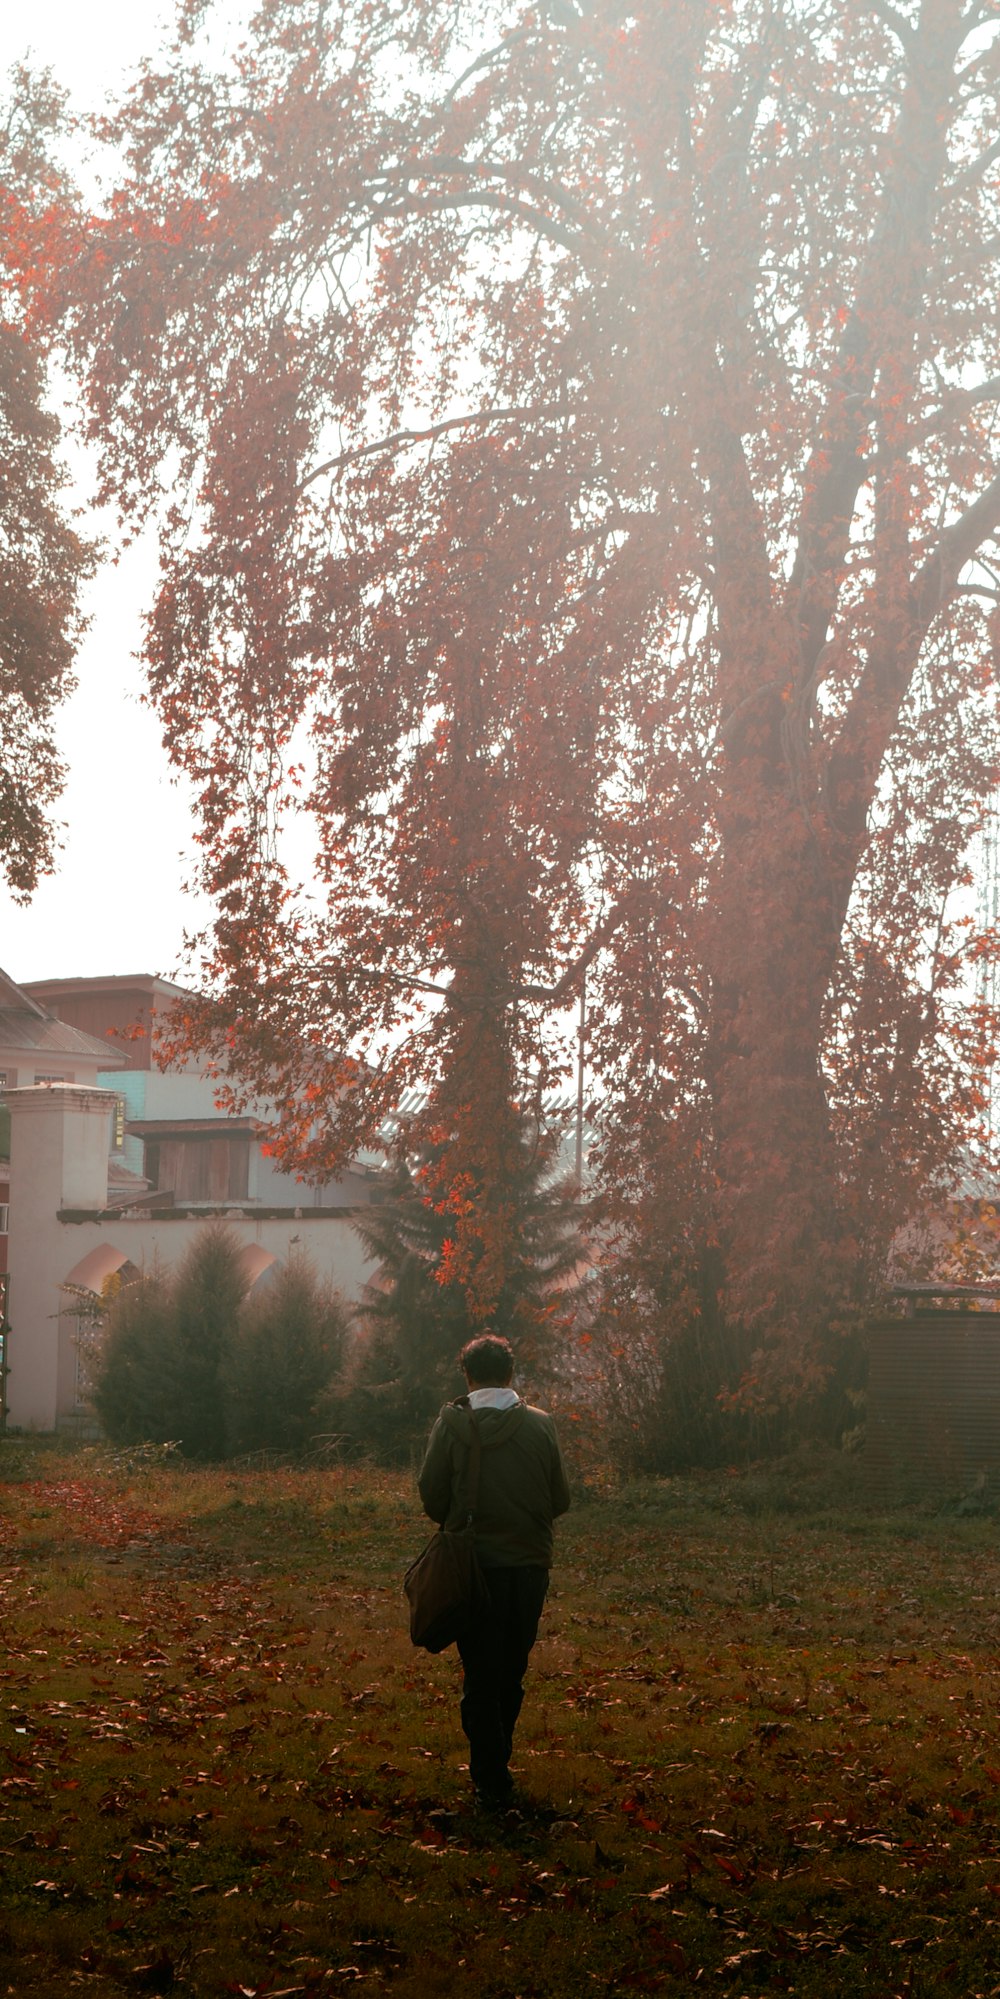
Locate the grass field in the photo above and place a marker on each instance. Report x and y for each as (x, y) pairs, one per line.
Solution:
(765, 1723)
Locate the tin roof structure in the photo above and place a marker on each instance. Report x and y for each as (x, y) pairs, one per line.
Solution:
(26, 1024)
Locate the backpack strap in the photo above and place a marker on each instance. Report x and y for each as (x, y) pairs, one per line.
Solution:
(475, 1457)
(472, 1476)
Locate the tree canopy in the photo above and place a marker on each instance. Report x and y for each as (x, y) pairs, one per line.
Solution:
(580, 429)
(43, 559)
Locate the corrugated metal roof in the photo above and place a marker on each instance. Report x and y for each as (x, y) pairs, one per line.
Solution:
(121, 1179)
(13, 996)
(45, 1036)
(25, 1023)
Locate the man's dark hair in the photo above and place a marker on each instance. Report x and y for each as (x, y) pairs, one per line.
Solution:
(488, 1360)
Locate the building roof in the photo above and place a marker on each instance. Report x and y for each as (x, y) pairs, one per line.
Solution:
(121, 1179)
(53, 1037)
(220, 1126)
(129, 1011)
(16, 997)
(24, 1023)
(140, 982)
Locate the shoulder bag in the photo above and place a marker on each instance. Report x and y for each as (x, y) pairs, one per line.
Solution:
(445, 1587)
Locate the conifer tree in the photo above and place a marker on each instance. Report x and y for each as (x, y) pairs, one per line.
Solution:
(194, 1360)
(287, 1345)
(130, 1389)
(415, 1316)
(207, 1295)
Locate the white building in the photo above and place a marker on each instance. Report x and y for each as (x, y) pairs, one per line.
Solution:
(119, 1174)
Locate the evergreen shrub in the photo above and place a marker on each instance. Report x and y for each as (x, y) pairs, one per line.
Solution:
(288, 1342)
(197, 1360)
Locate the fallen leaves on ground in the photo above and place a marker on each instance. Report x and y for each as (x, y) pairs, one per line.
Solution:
(224, 1769)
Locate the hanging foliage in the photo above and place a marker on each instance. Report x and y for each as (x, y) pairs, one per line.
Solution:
(43, 559)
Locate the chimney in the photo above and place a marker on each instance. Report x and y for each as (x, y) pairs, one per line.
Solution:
(59, 1142)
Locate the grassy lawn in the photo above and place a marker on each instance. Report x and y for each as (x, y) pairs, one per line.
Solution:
(763, 1718)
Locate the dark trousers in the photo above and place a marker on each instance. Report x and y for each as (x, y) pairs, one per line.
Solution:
(494, 1659)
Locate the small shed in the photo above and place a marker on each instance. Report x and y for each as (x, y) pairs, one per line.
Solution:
(934, 1395)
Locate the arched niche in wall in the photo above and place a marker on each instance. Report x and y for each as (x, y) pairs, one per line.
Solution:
(258, 1265)
(82, 1323)
(94, 1269)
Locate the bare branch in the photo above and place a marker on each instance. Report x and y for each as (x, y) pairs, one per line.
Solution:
(399, 439)
(857, 754)
(901, 28)
(554, 996)
(757, 694)
(987, 10)
(543, 225)
(897, 255)
(977, 253)
(939, 574)
(482, 62)
(564, 986)
(384, 975)
(955, 405)
(541, 188)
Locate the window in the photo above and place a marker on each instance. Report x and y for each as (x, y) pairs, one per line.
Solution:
(51, 1079)
(4, 1214)
(118, 1126)
(201, 1169)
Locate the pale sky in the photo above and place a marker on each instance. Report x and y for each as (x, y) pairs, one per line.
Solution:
(115, 904)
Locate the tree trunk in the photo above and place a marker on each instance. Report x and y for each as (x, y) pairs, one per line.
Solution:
(773, 943)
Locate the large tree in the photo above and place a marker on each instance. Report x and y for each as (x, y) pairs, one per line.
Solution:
(581, 426)
(43, 559)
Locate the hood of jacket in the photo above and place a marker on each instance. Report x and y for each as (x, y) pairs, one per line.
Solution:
(495, 1426)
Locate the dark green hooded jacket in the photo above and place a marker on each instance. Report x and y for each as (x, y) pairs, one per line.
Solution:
(522, 1482)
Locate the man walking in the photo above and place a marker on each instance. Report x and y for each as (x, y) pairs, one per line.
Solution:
(522, 1489)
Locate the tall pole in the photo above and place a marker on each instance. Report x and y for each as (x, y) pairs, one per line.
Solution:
(988, 915)
(4, 1362)
(580, 1055)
